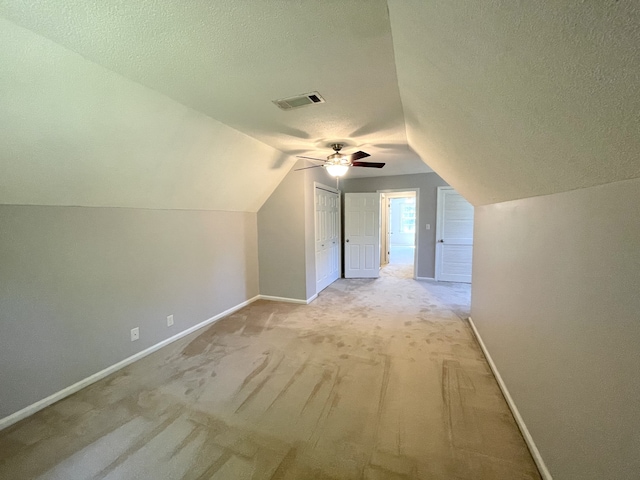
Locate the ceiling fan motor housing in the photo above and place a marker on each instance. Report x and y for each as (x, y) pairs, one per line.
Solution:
(337, 163)
(338, 159)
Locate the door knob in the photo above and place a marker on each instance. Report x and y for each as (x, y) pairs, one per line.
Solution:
(440, 241)
(347, 240)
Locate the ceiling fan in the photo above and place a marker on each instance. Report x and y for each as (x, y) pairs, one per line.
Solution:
(338, 163)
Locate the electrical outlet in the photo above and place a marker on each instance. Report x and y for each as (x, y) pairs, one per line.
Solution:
(135, 334)
(169, 320)
(428, 226)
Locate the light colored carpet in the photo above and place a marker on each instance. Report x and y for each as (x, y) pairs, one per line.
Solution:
(376, 379)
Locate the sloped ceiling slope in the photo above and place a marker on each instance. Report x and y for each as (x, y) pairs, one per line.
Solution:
(75, 133)
(508, 100)
(166, 104)
(229, 59)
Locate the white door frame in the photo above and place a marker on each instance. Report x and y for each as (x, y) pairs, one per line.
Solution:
(384, 230)
(394, 193)
(315, 223)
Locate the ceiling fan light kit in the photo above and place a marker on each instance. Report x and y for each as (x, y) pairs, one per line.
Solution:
(337, 164)
(336, 170)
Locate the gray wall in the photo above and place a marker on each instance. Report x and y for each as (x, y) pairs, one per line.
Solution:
(556, 298)
(281, 237)
(428, 184)
(74, 281)
(286, 235)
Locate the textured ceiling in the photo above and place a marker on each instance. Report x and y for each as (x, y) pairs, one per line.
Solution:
(504, 100)
(509, 100)
(74, 133)
(229, 59)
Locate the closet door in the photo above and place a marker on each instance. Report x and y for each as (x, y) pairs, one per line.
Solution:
(327, 236)
(454, 231)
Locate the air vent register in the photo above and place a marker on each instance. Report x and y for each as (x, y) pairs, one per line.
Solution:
(299, 101)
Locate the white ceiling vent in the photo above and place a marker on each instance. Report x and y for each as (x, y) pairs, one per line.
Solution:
(299, 101)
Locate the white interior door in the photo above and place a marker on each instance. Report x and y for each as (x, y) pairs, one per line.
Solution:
(362, 235)
(327, 236)
(454, 234)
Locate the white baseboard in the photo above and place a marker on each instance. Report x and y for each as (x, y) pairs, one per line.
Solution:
(535, 453)
(425, 278)
(45, 402)
(288, 300)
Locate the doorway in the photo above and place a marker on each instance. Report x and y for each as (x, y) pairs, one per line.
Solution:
(399, 233)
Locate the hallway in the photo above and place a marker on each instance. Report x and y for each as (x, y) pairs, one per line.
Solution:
(376, 379)
(401, 254)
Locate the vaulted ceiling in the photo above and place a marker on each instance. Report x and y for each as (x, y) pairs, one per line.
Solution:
(510, 100)
(162, 104)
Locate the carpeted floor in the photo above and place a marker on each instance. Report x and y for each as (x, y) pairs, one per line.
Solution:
(376, 379)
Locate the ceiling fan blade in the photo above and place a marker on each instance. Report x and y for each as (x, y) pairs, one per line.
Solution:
(357, 156)
(305, 168)
(368, 164)
(311, 158)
